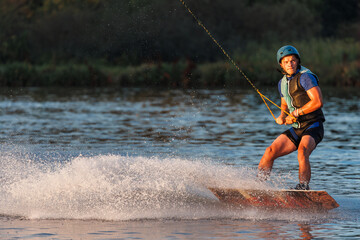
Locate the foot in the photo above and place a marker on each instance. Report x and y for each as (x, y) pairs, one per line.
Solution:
(302, 186)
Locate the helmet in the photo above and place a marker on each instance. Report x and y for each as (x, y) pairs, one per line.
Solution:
(285, 51)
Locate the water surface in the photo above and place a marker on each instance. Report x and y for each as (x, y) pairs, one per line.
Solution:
(135, 163)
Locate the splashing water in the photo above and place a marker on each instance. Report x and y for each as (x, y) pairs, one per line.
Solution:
(114, 187)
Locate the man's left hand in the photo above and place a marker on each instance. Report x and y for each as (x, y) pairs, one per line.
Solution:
(290, 119)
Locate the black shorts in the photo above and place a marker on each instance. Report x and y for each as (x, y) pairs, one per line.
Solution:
(315, 130)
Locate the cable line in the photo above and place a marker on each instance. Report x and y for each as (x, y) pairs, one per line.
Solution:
(263, 97)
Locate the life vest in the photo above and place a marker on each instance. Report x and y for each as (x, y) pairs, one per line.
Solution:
(296, 97)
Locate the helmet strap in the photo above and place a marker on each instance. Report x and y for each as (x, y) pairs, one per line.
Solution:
(280, 70)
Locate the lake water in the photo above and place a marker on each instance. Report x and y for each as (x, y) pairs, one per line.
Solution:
(136, 163)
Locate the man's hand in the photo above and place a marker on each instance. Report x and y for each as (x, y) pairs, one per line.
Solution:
(280, 120)
(290, 119)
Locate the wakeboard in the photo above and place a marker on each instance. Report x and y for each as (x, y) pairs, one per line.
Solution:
(276, 199)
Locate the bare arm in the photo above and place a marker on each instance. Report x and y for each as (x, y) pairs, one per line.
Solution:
(316, 102)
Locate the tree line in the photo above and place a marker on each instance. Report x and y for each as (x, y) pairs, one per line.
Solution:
(134, 31)
(154, 42)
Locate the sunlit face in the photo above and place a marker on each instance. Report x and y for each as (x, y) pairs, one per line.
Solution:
(290, 64)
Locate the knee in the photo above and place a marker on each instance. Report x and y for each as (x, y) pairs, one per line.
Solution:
(304, 150)
(307, 145)
(270, 151)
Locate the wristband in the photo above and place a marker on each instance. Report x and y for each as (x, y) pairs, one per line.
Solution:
(295, 113)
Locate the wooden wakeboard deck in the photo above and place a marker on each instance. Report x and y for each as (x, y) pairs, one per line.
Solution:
(283, 199)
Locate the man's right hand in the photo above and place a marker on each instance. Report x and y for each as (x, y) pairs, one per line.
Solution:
(280, 120)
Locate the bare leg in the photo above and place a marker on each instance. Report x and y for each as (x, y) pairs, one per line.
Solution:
(280, 147)
(306, 146)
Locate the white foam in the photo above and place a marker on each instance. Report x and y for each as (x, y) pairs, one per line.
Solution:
(115, 187)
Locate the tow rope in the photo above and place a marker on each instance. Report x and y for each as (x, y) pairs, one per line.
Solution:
(263, 97)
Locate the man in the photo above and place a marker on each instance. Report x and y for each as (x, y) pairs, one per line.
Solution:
(302, 98)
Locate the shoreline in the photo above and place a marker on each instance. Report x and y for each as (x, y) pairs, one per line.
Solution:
(180, 74)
